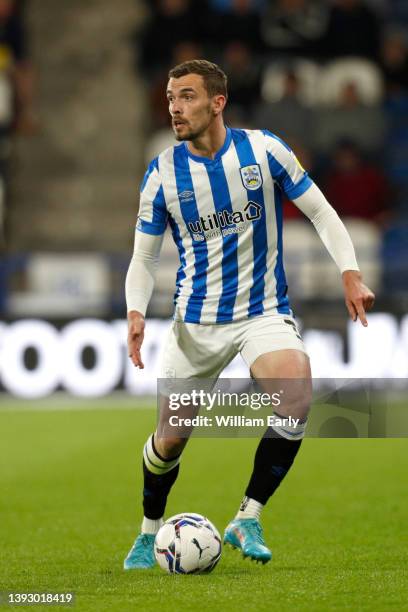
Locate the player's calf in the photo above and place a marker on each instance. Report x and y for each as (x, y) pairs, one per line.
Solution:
(273, 459)
(159, 475)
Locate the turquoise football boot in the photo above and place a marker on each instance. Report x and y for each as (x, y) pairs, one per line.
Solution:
(247, 535)
(141, 555)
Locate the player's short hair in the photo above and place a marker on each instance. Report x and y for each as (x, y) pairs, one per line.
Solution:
(215, 79)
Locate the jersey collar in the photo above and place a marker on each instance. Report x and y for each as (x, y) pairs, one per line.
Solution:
(218, 155)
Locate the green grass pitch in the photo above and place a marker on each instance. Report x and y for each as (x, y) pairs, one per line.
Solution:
(70, 508)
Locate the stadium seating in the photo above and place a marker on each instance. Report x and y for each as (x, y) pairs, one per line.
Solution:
(363, 73)
(311, 273)
(395, 257)
(63, 285)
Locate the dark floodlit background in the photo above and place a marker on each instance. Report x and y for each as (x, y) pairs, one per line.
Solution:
(83, 110)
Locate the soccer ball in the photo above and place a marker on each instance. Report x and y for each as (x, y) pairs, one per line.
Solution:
(187, 543)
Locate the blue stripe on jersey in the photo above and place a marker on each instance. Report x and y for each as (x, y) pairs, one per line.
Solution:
(184, 183)
(157, 225)
(259, 237)
(182, 255)
(279, 173)
(154, 165)
(281, 286)
(222, 201)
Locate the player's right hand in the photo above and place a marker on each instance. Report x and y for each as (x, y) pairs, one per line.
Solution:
(359, 298)
(136, 325)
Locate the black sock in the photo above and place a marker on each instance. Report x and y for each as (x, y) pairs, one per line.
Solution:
(155, 491)
(273, 459)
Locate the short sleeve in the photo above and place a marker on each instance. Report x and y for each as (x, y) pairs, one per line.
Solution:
(285, 168)
(153, 216)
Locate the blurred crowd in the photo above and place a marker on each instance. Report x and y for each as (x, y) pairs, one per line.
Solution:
(329, 77)
(16, 83)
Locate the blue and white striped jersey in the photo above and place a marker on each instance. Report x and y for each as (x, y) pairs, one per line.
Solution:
(226, 218)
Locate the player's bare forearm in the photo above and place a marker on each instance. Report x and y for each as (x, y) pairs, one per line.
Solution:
(136, 325)
(358, 297)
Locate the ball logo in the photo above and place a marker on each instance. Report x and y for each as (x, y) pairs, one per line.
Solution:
(251, 177)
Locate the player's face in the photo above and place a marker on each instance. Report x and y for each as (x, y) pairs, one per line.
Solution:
(190, 107)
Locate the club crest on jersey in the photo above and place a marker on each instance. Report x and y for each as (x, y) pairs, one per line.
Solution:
(251, 177)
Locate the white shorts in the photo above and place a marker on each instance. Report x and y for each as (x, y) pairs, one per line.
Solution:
(195, 350)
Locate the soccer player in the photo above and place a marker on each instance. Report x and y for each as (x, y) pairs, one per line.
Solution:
(220, 191)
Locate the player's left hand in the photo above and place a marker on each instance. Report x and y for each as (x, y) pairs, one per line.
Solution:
(359, 298)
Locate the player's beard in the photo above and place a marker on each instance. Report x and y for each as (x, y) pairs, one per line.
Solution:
(191, 134)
